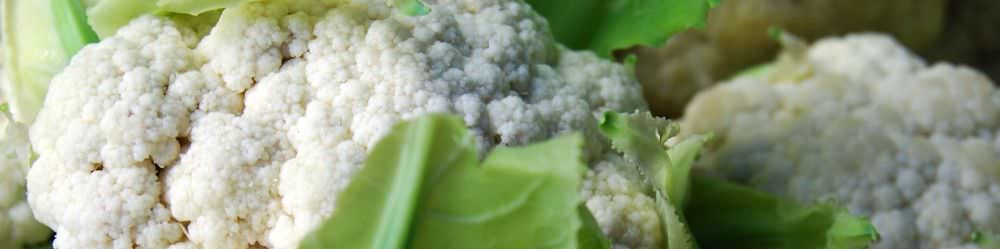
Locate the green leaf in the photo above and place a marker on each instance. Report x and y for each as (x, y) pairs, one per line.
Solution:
(40, 36)
(849, 231)
(43, 246)
(377, 208)
(642, 140)
(639, 138)
(719, 214)
(71, 25)
(590, 235)
(521, 197)
(195, 7)
(682, 157)
(755, 71)
(726, 215)
(603, 26)
(411, 7)
(107, 16)
(676, 233)
(985, 240)
(423, 187)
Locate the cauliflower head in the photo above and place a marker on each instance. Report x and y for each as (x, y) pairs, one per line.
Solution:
(18, 226)
(163, 136)
(862, 121)
(624, 212)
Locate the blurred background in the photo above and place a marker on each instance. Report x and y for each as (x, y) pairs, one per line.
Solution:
(736, 38)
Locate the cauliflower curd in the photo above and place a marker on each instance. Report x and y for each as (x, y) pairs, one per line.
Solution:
(162, 137)
(17, 226)
(864, 122)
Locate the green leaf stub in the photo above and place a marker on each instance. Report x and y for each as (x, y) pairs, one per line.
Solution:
(412, 7)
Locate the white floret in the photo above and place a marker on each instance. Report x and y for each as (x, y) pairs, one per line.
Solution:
(18, 226)
(624, 212)
(871, 126)
(153, 138)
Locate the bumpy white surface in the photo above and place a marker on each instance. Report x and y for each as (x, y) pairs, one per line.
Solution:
(18, 226)
(867, 123)
(155, 138)
(620, 207)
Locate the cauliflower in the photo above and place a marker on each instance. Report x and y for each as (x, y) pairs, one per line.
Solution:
(159, 137)
(17, 225)
(620, 206)
(862, 121)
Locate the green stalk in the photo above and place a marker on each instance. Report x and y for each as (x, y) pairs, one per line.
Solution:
(71, 25)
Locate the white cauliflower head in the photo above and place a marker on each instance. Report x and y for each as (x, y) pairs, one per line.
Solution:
(156, 137)
(620, 207)
(862, 121)
(18, 226)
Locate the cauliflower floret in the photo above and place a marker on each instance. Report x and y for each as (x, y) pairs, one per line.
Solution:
(153, 138)
(621, 209)
(869, 125)
(18, 226)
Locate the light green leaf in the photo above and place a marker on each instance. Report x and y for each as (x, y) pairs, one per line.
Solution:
(726, 215)
(638, 137)
(572, 22)
(377, 209)
(411, 7)
(849, 231)
(759, 70)
(71, 25)
(675, 231)
(423, 187)
(521, 197)
(647, 22)
(642, 140)
(40, 36)
(195, 7)
(682, 156)
(603, 26)
(106, 16)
